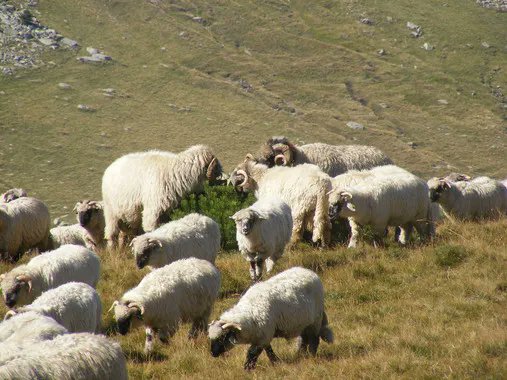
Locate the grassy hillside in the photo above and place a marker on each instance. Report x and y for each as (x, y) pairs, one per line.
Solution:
(251, 69)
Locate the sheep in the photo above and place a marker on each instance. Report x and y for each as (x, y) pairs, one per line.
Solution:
(288, 305)
(304, 188)
(24, 224)
(68, 263)
(331, 159)
(80, 356)
(457, 177)
(74, 305)
(140, 189)
(13, 194)
(194, 235)
(183, 291)
(61, 235)
(262, 231)
(387, 196)
(29, 326)
(479, 198)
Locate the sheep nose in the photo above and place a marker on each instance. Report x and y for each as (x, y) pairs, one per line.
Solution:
(84, 218)
(10, 301)
(141, 262)
(280, 160)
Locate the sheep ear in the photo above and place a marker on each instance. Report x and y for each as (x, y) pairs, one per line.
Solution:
(75, 207)
(249, 156)
(231, 325)
(155, 243)
(25, 278)
(351, 206)
(10, 314)
(115, 303)
(345, 196)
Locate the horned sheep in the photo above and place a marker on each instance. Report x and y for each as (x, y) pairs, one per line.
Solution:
(183, 291)
(80, 356)
(140, 189)
(194, 235)
(75, 305)
(288, 305)
(29, 326)
(68, 263)
(391, 196)
(24, 224)
(304, 188)
(479, 198)
(262, 231)
(13, 194)
(331, 159)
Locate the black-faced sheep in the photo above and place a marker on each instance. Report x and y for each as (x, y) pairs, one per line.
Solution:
(13, 194)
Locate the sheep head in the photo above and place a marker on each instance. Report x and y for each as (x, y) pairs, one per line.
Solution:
(458, 177)
(142, 248)
(223, 336)
(214, 171)
(438, 187)
(277, 151)
(13, 194)
(245, 220)
(127, 314)
(89, 212)
(242, 177)
(16, 288)
(340, 202)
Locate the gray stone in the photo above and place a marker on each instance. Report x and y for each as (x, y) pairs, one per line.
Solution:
(367, 21)
(427, 46)
(381, 52)
(68, 42)
(102, 57)
(443, 102)
(64, 86)
(412, 26)
(92, 50)
(89, 60)
(354, 125)
(198, 19)
(412, 144)
(485, 45)
(47, 41)
(85, 108)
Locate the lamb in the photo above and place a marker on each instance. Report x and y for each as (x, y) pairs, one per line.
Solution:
(288, 305)
(262, 231)
(68, 263)
(183, 291)
(140, 189)
(304, 188)
(194, 235)
(13, 194)
(88, 232)
(29, 327)
(81, 356)
(24, 224)
(331, 159)
(75, 305)
(390, 196)
(479, 198)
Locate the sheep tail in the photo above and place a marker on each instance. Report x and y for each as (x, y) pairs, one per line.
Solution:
(325, 333)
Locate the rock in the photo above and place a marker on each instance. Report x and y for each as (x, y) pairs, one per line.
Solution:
(412, 26)
(198, 19)
(354, 125)
(381, 52)
(68, 42)
(92, 50)
(85, 108)
(416, 29)
(101, 57)
(427, 46)
(383, 105)
(47, 41)
(366, 21)
(64, 86)
(163, 48)
(109, 92)
(485, 45)
(90, 59)
(389, 19)
(443, 102)
(412, 144)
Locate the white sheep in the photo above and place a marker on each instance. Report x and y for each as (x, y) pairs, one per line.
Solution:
(387, 196)
(24, 224)
(193, 235)
(262, 231)
(68, 263)
(183, 291)
(304, 188)
(288, 305)
(479, 198)
(80, 356)
(331, 159)
(74, 305)
(13, 194)
(29, 326)
(140, 189)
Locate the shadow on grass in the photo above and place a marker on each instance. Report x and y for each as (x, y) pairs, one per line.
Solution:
(140, 357)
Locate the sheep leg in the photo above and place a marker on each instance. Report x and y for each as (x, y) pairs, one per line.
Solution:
(297, 230)
(251, 357)
(424, 229)
(405, 232)
(148, 346)
(270, 263)
(163, 335)
(150, 220)
(308, 341)
(252, 271)
(378, 236)
(354, 228)
(271, 354)
(111, 233)
(259, 263)
(198, 326)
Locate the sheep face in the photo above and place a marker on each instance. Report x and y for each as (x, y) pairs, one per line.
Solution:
(245, 220)
(143, 248)
(241, 177)
(16, 289)
(340, 205)
(457, 177)
(276, 151)
(13, 194)
(88, 212)
(437, 188)
(127, 314)
(223, 336)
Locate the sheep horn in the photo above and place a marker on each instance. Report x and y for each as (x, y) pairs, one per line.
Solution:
(75, 207)
(243, 173)
(115, 303)
(211, 166)
(231, 324)
(9, 314)
(140, 307)
(212, 322)
(27, 279)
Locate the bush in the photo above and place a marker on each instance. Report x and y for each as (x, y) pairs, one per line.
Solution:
(450, 255)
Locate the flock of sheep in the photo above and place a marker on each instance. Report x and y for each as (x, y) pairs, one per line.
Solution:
(53, 327)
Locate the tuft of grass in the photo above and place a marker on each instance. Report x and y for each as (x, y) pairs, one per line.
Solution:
(449, 256)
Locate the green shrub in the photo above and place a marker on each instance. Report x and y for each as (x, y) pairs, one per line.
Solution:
(450, 255)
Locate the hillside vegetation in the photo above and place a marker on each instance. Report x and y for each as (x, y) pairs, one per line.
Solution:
(231, 74)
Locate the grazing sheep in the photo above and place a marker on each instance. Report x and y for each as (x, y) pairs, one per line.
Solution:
(456, 177)
(331, 159)
(68, 263)
(194, 235)
(24, 224)
(61, 235)
(183, 291)
(29, 326)
(288, 305)
(389, 196)
(75, 305)
(13, 194)
(262, 231)
(479, 198)
(304, 188)
(140, 189)
(81, 356)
